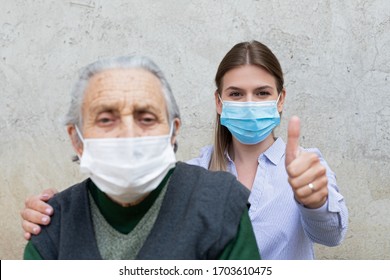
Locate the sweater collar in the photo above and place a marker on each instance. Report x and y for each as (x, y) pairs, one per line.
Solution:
(119, 216)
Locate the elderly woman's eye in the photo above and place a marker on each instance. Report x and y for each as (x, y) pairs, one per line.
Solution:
(147, 119)
(105, 119)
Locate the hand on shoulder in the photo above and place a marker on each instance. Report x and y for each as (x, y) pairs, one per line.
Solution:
(36, 212)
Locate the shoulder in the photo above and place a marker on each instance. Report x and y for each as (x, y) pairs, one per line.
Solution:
(189, 170)
(70, 195)
(219, 183)
(204, 209)
(204, 157)
(66, 208)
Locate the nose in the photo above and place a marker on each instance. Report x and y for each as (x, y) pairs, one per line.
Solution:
(249, 97)
(129, 128)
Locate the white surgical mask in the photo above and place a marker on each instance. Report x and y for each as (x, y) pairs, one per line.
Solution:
(127, 169)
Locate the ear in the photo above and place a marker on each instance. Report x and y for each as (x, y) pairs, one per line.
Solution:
(218, 103)
(176, 126)
(282, 98)
(74, 138)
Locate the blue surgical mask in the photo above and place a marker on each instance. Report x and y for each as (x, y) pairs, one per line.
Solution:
(250, 122)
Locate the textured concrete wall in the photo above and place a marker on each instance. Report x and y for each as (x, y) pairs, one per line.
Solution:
(335, 55)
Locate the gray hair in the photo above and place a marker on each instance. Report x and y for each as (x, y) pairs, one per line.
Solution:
(74, 115)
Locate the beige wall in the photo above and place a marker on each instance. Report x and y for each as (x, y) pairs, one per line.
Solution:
(335, 55)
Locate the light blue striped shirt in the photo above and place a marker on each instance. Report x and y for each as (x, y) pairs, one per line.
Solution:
(284, 229)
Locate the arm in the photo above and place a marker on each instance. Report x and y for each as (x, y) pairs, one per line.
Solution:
(323, 210)
(243, 246)
(328, 224)
(36, 212)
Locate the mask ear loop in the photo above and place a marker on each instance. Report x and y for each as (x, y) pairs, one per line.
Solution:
(277, 100)
(81, 139)
(220, 98)
(174, 145)
(171, 130)
(79, 133)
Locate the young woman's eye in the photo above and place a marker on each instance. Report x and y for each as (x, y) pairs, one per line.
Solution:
(234, 94)
(263, 93)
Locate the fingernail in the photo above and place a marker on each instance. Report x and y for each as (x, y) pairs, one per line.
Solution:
(48, 211)
(45, 220)
(35, 230)
(45, 196)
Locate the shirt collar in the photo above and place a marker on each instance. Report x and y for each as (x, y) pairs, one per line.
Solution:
(276, 152)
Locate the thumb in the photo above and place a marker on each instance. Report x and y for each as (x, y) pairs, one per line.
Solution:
(293, 133)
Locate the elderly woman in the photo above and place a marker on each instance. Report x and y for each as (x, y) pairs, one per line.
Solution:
(138, 202)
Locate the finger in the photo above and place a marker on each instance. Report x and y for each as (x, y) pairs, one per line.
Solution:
(35, 217)
(35, 203)
(27, 236)
(305, 191)
(316, 198)
(47, 194)
(310, 175)
(301, 164)
(30, 227)
(293, 133)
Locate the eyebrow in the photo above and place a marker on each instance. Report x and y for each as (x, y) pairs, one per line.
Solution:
(147, 108)
(115, 106)
(258, 88)
(104, 107)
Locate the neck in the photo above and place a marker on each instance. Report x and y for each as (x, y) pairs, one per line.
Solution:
(249, 153)
(130, 204)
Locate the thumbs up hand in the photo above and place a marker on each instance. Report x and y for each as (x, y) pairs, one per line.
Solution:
(306, 174)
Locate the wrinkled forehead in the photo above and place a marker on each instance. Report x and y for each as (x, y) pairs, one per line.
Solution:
(135, 79)
(125, 85)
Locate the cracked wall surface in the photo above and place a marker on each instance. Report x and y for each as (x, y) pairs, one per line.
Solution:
(335, 56)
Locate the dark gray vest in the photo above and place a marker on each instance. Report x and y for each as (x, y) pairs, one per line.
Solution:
(200, 214)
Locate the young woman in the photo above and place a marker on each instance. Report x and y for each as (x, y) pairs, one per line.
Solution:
(294, 201)
(294, 198)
